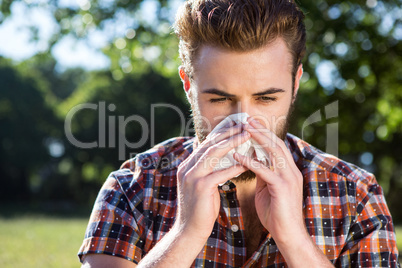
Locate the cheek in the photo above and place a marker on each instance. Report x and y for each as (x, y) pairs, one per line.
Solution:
(275, 115)
(285, 105)
(205, 113)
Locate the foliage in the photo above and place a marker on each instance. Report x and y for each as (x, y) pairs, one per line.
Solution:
(357, 43)
(360, 40)
(23, 129)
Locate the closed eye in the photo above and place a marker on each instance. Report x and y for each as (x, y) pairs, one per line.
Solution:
(266, 98)
(218, 100)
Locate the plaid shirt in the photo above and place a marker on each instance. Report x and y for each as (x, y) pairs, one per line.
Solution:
(344, 208)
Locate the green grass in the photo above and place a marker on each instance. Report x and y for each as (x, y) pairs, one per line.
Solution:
(40, 241)
(43, 241)
(398, 230)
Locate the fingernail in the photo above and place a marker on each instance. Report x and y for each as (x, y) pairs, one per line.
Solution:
(248, 126)
(253, 121)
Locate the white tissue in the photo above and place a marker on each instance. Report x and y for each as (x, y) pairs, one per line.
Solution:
(247, 149)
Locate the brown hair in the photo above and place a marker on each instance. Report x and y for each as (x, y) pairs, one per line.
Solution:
(239, 25)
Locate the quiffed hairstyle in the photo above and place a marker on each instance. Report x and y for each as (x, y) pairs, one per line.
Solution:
(239, 25)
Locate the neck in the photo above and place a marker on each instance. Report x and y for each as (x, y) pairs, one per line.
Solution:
(245, 190)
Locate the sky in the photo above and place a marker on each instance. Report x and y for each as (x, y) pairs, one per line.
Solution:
(68, 51)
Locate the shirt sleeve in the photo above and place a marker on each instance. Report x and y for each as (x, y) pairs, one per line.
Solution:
(371, 241)
(112, 227)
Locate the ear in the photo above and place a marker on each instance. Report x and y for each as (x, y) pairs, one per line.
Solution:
(185, 79)
(298, 76)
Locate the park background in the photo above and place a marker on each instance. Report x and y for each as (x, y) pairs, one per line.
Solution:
(121, 55)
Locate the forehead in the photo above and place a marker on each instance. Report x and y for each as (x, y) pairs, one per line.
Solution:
(269, 63)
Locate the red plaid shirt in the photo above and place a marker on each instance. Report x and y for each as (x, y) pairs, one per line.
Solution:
(344, 208)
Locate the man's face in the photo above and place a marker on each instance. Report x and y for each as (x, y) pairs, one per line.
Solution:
(257, 82)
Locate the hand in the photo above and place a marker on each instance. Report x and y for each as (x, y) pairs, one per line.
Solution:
(198, 195)
(198, 200)
(279, 188)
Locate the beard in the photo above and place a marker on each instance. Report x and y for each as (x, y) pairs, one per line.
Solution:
(203, 128)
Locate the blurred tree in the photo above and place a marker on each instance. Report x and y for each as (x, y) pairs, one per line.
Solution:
(353, 57)
(119, 105)
(25, 133)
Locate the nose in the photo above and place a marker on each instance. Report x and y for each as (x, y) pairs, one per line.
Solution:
(241, 107)
(247, 107)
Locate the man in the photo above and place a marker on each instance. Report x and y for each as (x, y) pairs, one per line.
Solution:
(171, 207)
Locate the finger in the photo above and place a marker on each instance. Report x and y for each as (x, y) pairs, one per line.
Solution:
(257, 167)
(218, 136)
(223, 133)
(263, 140)
(223, 124)
(270, 142)
(273, 151)
(213, 154)
(210, 141)
(257, 128)
(255, 124)
(222, 176)
(278, 157)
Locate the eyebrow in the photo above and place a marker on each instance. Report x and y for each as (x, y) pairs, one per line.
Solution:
(218, 92)
(225, 94)
(269, 91)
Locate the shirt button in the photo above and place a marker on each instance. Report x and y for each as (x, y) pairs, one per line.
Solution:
(225, 187)
(234, 228)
